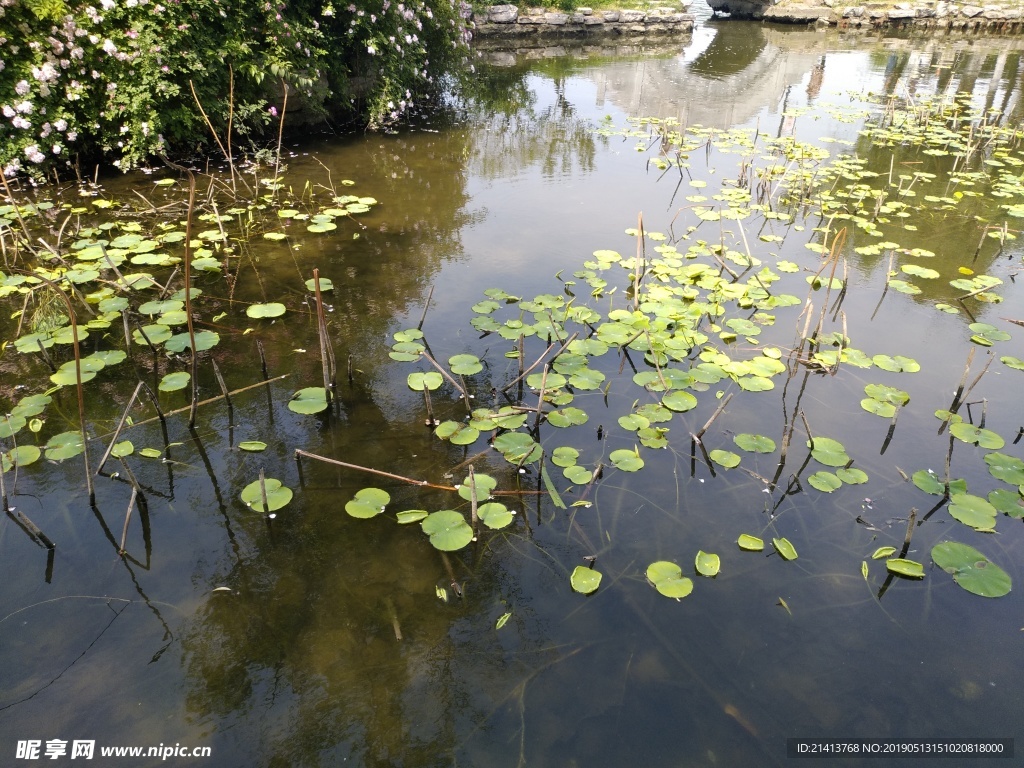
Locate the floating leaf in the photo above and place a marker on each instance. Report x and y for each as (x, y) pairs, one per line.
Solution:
(150, 453)
(885, 410)
(986, 335)
(151, 334)
(309, 400)
(411, 516)
(577, 474)
(502, 620)
(1009, 469)
(825, 481)
(897, 364)
(457, 432)
(567, 417)
(483, 484)
(750, 543)
(368, 502)
(517, 447)
(707, 564)
(969, 433)
(626, 460)
(277, 495)
(21, 456)
(430, 380)
(903, 567)
(726, 459)
(785, 548)
(253, 446)
(495, 515)
(668, 579)
(325, 284)
(971, 569)
(1013, 362)
(973, 511)
(1008, 502)
(829, 452)
(447, 529)
(883, 552)
(564, 456)
(174, 381)
(755, 443)
(679, 401)
(271, 309)
(852, 475)
(585, 580)
(64, 446)
(205, 340)
(465, 365)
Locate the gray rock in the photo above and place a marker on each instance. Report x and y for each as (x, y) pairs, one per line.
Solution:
(854, 12)
(970, 11)
(610, 16)
(631, 17)
(902, 13)
(556, 19)
(531, 19)
(591, 21)
(584, 11)
(502, 14)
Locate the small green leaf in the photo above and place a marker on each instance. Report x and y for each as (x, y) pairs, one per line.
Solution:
(411, 516)
(465, 365)
(755, 443)
(825, 482)
(726, 459)
(668, 579)
(64, 446)
(447, 529)
(969, 433)
(882, 553)
(254, 446)
(277, 495)
(707, 564)
(750, 543)
(903, 567)
(785, 548)
(368, 502)
(122, 449)
(585, 580)
(430, 380)
(174, 381)
(626, 460)
(309, 400)
(271, 309)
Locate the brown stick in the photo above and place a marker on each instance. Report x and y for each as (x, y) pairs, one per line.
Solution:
(120, 426)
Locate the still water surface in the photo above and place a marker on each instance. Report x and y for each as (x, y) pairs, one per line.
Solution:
(332, 647)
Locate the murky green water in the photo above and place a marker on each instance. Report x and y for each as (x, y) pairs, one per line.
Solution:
(330, 645)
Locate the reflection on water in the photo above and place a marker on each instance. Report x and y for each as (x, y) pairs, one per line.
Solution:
(318, 639)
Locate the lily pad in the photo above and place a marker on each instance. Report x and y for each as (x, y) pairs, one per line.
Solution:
(447, 529)
(483, 484)
(564, 456)
(419, 381)
(903, 567)
(271, 309)
(411, 516)
(518, 447)
(726, 459)
(64, 446)
(897, 364)
(309, 400)
(368, 502)
(668, 579)
(679, 401)
(1008, 502)
(325, 284)
(465, 365)
(825, 481)
(205, 340)
(754, 443)
(174, 381)
(457, 432)
(577, 474)
(567, 417)
(707, 564)
(495, 515)
(626, 460)
(971, 569)
(973, 511)
(585, 580)
(277, 495)
(829, 452)
(750, 543)
(852, 475)
(253, 446)
(21, 456)
(984, 438)
(1009, 469)
(785, 549)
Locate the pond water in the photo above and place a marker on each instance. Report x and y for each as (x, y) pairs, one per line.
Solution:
(316, 638)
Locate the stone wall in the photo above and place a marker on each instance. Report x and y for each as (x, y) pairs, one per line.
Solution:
(505, 21)
(922, 14)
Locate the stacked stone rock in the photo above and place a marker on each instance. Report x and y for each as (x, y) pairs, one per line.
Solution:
(506, 20)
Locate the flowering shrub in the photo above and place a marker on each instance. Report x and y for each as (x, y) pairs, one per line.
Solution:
(115, 79)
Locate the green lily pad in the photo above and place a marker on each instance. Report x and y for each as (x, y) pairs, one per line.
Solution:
(971, 569)
(750, 543)
(465, 365)
(707, 564)
(456, 432)
(567, 417)
(897, 364)
(829, 452)
(495, 515)
(885, 410)
(564, 456)
(973, 511)
(122, 449)
(150, 453)
(726, 459)
(852, 475)
(1013, 362)
(253, 446)
(21, 456)
(1009, 469)
(271, 309)
(205, 340)
(277, 495)
(368, 502)
(986, 335)
(447, 529)
(174, 381)
(483, 484)
(430, 380)
(883, 552)
(668, 579)
(825, 481)
(585, 580)
(64, 446)
(626, 460)
(411, 516)
(309, 400)
(325, 284)
(1008, 502)
(785, 549)
(577, 474)
(12, 424)
(984, 438)
(903, 567)
(679, 401)
(152, 334)
(518, 447)
(754, 443)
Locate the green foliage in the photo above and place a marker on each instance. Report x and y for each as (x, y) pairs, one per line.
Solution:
(125, 80)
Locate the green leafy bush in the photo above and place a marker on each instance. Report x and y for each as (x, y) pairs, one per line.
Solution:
(124, 79)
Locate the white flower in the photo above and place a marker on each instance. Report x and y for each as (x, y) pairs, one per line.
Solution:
(8, 111)
(108, 5)
(24, 108)
(72, 135)
(57, 149)
(61, 124)
(20, 122)
(109, 47)
(32, 153)
(22, 87)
